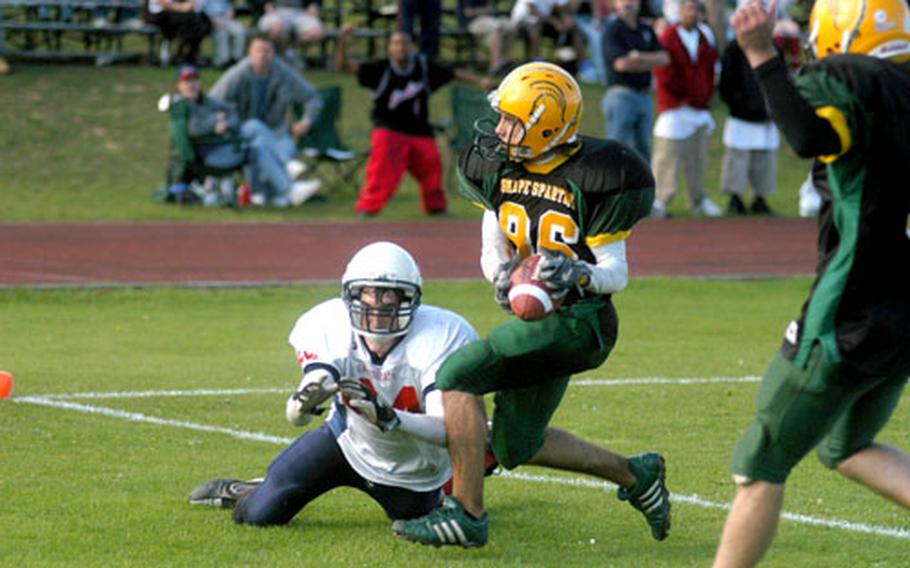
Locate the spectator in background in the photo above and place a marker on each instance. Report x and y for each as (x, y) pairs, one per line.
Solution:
(684, 90)
(182, 20)
(480, 19)
(292, 27)
(402, 138)
(206, 131)
(750, 138)
(264, 90)
(5, 69)
(228, 35)
(631, 52)
(430, 14)
(590, 17)
(553, 18)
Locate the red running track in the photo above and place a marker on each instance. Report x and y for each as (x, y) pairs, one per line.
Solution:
(76, 254)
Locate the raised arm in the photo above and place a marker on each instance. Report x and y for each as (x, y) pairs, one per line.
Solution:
(342, 64)
(809, 133)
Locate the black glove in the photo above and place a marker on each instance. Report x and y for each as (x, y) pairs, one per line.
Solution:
(560, 273)
(364, 401)
(502, 282)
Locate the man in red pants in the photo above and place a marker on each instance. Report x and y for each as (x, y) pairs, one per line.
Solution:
(402, 138)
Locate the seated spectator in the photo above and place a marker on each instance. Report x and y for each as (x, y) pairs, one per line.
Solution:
(291, 27)
(228, 34)
(552, 18)
(182, 20)
(129, 17)
(264, 90)
(402, 137)
(205, 130)
(478, 17)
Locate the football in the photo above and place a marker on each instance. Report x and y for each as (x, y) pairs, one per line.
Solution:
(529, 297)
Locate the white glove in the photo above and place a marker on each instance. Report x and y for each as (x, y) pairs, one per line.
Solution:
(365, 403)
(315, 388)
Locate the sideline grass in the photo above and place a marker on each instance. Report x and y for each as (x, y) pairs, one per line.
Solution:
(82, 143)
(90, 490)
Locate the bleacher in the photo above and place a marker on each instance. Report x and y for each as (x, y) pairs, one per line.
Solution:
(65, 29)
(70, 30)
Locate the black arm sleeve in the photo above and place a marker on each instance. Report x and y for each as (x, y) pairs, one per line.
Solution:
(809, 134)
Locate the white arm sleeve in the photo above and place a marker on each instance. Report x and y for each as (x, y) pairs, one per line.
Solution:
(611, 273)
(495, 248)
(431, 426)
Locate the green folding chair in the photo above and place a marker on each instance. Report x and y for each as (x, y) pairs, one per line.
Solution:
(469, 105)
(323, 151)
(184, 163)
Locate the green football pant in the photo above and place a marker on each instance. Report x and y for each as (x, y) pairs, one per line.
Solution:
(528, 365)
(821, 405)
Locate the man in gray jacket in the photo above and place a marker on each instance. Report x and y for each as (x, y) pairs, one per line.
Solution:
(264, 91)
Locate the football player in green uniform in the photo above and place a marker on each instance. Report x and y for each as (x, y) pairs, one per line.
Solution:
(573, 199)
(844, 363)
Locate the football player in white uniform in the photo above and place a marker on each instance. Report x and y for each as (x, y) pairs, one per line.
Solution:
(373, 354)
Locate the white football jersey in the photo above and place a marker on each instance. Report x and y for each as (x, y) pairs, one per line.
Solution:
(323, 337)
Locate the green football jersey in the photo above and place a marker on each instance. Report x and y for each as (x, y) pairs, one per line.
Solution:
(860, 305)
(593, 198)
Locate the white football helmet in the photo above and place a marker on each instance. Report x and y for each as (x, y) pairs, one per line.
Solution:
(385, 266)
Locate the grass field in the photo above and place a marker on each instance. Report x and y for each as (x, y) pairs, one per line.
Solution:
(101, 479)
(83, 143)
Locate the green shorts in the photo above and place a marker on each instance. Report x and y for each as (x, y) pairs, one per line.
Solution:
(821, 405)
(528, 365)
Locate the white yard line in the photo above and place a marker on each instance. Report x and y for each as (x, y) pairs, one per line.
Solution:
(57, 401)
(137, 417)
(704, 503)
(264, 390)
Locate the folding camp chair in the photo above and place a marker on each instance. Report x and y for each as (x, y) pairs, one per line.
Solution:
(322, 149)
(185, 166)
(468, 106)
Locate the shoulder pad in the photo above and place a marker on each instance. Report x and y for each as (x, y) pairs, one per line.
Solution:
(607, 166)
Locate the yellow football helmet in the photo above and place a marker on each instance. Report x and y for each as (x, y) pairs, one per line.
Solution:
(880, 28)
(546, 101)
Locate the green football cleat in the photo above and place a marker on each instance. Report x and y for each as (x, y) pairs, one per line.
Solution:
(450, 524)
(650, 494)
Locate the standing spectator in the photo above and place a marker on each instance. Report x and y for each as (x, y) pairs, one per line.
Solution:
(291, 27)
(684, 90)
(631, 52)
(402, 138)
(553, 18)
(479, 18)
(844, 363)
(264, 90)
(590, 18)
(430, 14)
(750, 138)
(228, 34)
(182, 20)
